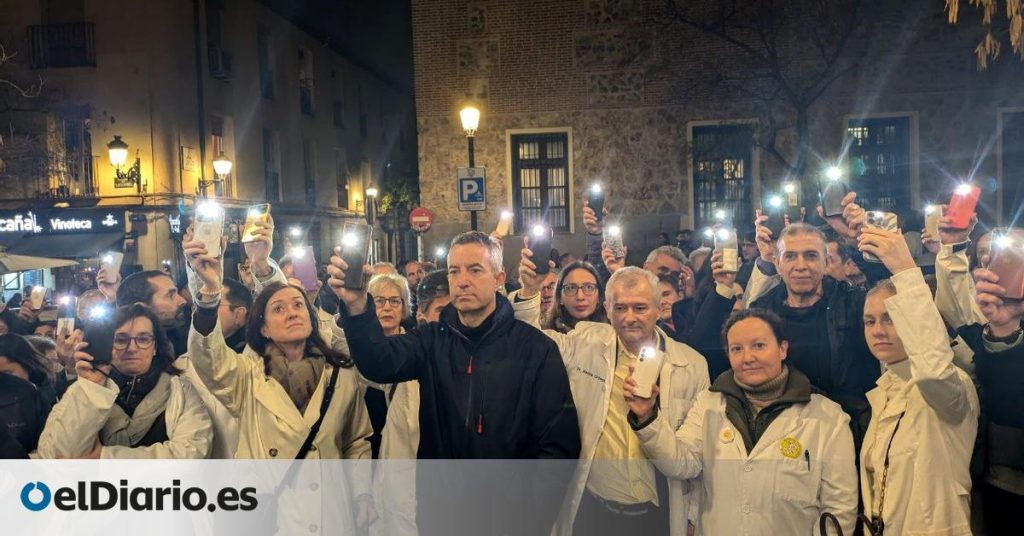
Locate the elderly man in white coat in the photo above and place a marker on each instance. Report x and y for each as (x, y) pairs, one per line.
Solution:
(615, 487)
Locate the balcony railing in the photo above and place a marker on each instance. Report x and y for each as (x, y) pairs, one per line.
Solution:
(62, 45)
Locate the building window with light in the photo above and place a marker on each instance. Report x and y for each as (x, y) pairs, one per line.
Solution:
(540, 179)
(722, 163)
(879, 161)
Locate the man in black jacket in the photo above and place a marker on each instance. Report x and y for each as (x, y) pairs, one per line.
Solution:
(491, 387)
(23, 412)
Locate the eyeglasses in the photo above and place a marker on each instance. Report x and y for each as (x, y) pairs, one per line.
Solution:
(548, 288)
(570, 290)
(394, 302)
(143, 341)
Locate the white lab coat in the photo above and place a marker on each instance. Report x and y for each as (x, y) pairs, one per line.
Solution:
(929, 483)
(763, 492)
(75, 422)
(589, 355)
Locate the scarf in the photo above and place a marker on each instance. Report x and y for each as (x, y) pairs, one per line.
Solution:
(764, 395)
(298, 378)
(126, 428)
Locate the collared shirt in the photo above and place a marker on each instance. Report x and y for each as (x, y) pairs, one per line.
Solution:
(620, 472)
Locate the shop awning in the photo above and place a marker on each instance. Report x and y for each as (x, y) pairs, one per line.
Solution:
(79, 246)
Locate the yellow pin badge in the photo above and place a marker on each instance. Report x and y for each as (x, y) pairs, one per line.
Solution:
(791, 447)
(727, 435)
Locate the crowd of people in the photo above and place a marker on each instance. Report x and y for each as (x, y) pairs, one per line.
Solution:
(840, 376)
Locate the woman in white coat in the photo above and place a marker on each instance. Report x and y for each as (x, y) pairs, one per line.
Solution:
(134, 406)
(278, 392)
(772, 455)
(914, 470)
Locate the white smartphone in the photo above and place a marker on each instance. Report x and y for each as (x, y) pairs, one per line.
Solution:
(613, 240)
(647, 370)
(726, 242)
(38, 295)
(65, 327)
(504, 223)
(209, 228)
(932, 214)
(110, 265)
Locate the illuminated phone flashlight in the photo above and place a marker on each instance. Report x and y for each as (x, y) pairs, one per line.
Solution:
(833, 173)
(209, 209)
(709, 232)
(963, 189)
(720, 215)
(539, 230)
(647, 352)
(614, 230)
(98, 312)
(295, 232)
(64, 300)
(506, 215)
(108, 259)
(439, 252)
(789, 188)
(775, 201)
(297, 253)
(167, 262)
(879, 216)
(349, 240)
(723, 234)
(929, 209)
(1003, 241)
(595, 188)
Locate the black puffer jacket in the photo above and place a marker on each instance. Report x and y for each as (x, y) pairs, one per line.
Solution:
(505, 398)
(23, 412)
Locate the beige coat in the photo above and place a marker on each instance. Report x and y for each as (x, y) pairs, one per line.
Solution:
(589, 355)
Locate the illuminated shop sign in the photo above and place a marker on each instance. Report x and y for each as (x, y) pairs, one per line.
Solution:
(62, 221)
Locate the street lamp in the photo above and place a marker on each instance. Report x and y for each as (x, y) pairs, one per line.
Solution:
(118, 151)
(371, 206)
(221, 168)
(470, 116)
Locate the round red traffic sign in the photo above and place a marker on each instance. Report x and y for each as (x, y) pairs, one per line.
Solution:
(420, 219)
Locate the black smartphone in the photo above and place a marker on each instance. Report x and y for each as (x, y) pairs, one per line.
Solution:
(355, 249)
(775, 211)
(539, 243)
(99, 333)
(595, 200)
(832, 197)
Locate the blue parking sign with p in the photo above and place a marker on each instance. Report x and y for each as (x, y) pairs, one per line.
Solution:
(472, 189)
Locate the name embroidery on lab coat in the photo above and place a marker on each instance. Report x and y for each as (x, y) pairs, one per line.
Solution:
(591, 374)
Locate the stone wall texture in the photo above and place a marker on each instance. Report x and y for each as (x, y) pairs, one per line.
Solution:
(622, 82)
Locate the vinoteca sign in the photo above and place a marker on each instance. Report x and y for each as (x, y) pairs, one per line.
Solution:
(62, 222)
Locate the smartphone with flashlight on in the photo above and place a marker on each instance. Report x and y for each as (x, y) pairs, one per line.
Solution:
(932, 215)
(110, 265)
(99, 333)
(727, 243)
(792, 196)
(962, 205)
(304, 266)
(1007, 261)
(833, 193)
(256, 214)
(647, 370)
(355, 249)
(613, 240)
(37, 297)
(776, 212)
(504, 227)
(209, 226)
(881, 220)
(595, 200)
(539, 242)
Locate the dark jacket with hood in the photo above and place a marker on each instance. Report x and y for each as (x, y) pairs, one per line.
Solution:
(504, 397)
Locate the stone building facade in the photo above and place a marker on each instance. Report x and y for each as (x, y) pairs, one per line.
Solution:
(623, 87)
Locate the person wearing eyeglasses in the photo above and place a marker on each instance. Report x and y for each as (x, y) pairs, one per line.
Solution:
(390, 294)
(136, 406)
(578, 296)
(616, 488)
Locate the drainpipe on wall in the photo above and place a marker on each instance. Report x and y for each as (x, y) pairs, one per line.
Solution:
(200, 96)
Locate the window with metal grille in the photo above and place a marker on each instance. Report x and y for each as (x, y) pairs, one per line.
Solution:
(341, 176)
(309, 170)
(879, 157)
(722, 159)
(540, 179)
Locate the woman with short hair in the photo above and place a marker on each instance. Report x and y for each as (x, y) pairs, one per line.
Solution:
(772, 455)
